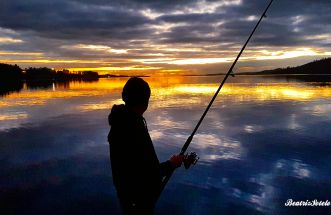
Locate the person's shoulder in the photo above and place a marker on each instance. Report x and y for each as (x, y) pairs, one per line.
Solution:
(116, 114)
(117, 109)
(121, 115)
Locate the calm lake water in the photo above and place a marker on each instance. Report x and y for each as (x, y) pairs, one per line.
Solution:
(264, 141)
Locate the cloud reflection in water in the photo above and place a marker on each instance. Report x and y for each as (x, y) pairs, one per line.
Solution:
(260, 144)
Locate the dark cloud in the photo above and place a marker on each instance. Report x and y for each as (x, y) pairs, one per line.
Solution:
(124, 20)
(71, 20)
(289, 23)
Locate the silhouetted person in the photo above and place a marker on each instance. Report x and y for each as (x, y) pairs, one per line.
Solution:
(137, 172)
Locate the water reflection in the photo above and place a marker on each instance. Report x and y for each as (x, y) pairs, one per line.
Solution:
(187, 93)
(14, 116)
(9, 87)
(260, 91)
(99, 106)
(263, 141)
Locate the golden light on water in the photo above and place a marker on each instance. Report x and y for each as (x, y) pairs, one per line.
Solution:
(166, 92)
(261, 92)
(196, 89)
(74, 89)
(111, 84)
(15, 116)
(100, 105)
(175, 92)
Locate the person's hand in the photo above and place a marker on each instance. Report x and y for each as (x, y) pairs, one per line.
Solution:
(176, 160)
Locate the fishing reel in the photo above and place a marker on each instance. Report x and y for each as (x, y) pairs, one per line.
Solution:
(190, 159)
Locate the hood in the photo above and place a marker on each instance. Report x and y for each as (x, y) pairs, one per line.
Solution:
(120, 114)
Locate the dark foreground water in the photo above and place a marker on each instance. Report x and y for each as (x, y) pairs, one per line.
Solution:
(265, 140)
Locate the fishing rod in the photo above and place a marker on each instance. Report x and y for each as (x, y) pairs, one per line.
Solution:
(192, 156)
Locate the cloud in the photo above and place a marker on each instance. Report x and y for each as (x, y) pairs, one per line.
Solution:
(152, 29)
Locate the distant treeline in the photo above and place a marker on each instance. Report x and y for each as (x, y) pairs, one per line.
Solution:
(10, 72)
(12, 77)
(14, 73)
(317, 67)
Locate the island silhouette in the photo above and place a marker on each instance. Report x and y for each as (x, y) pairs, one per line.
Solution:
(12, 77)
(317, 67)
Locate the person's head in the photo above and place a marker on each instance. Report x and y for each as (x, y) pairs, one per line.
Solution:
(136, 93)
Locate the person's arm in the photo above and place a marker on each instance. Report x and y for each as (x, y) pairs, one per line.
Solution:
(174, 162)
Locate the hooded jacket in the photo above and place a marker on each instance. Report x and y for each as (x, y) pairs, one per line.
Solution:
(137, 172)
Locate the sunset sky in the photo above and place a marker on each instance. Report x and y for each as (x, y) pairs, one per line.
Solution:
(167, 36)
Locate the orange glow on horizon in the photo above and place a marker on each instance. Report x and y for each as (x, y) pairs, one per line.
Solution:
(166, 60)
(21, 53)
(113, 68)
(260, 55)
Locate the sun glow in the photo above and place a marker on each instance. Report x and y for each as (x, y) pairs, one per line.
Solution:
(10, 40)
(273, 55)
(204, 6)
(114, 68)
(43, 61)
(197, 61)
(151, 14)
(96, 48)
(164, 57)
(250, 56)
(21, 53)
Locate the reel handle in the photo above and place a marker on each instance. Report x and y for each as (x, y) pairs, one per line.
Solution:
(190, 159)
